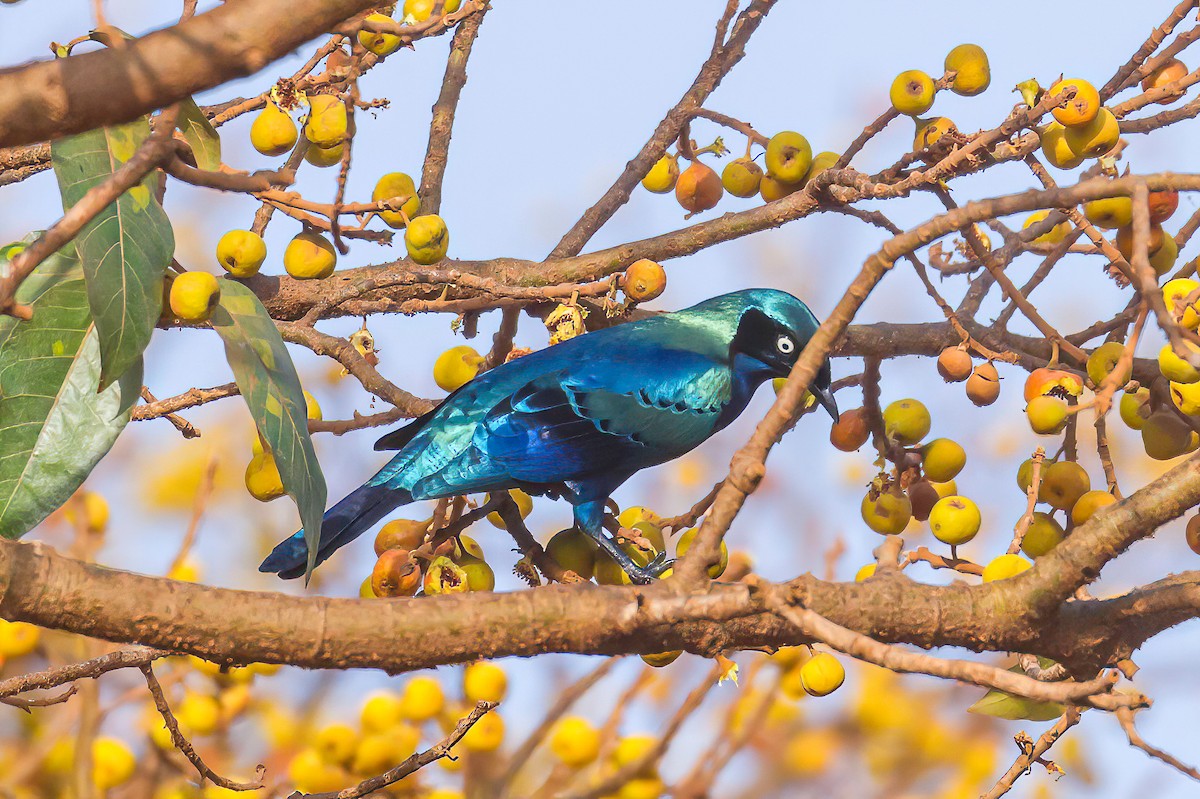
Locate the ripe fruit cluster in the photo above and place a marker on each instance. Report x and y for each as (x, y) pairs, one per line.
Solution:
(954, 364)
(1116, 213)
(406, 566)
(309, 256)
(641, 537)
(923, 486)
(788, 160)
(1064, 486)
(924, 489)
(913, 91)
(1053, 394)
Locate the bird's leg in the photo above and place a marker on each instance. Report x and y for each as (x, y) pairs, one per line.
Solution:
(589, 518)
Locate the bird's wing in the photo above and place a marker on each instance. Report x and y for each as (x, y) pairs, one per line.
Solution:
(632, 407)
(603, 417)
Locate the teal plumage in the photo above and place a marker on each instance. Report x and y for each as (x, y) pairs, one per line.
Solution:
(581, 417)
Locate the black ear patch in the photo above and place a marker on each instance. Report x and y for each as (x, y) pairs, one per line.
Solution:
(756, 332)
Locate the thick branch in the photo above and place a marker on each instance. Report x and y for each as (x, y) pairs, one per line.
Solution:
(49, 99)
(42, 587)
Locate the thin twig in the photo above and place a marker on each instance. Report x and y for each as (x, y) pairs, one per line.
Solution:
(1093, 693)
(185, 746)
(1035, 486)
(1033, 754)
(713, 70)
(1125, 717)
(411, 764)
(88, 669)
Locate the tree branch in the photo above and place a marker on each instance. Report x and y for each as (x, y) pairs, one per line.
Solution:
(442, 124)
(184, 745)
(91, 669)
(50, 99)
(233, 627)
(718, 64)
(412, 763)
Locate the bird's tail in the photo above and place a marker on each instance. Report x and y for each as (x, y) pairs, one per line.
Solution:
(343, 523)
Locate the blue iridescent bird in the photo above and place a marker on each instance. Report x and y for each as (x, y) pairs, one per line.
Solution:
(580, 418)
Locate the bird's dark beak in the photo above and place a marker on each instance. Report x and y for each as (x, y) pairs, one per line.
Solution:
(824, 396)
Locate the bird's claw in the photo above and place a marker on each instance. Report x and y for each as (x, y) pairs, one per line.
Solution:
(660, 564)
(651, 572)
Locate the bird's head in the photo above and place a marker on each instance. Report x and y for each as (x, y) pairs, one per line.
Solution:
(773, 327)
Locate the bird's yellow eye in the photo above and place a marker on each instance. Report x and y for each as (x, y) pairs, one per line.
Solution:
(785, 345)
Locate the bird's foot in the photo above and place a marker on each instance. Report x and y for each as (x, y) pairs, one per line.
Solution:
(652, 571)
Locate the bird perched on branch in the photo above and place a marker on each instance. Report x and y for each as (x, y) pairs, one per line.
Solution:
(580, 418)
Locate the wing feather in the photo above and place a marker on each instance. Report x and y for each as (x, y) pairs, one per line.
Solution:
(635, 407)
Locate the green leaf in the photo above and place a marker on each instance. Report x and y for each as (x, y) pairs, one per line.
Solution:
(1004, 705)
(54, 426)
(125, 249)
(269, 384)
(200, 134)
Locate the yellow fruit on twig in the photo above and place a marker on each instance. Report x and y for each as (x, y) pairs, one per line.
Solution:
(262, 478)
(970, 62)
(662, 176)
(1094, 138)
(194, 295)
(484, 682)
(741, 177)
(574, 551)
(789, 155)
(324, 156)
(400, 188)
(309, 256)
(381, 44)
(954, 520)
(456, 367)
(575, 742)
(422, 699)
(241, 253)
(1080, 109)
(17, 639)
(1055, 147)
(912, 92)
(419, 10)
(273, 132)
(1003, 567)
(644, 280)
(113, 763)
(327, 120)
(822, 674)
(931, 131)
(427, 239)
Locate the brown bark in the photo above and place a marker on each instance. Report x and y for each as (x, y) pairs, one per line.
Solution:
(1027, 613)
(51, 99)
